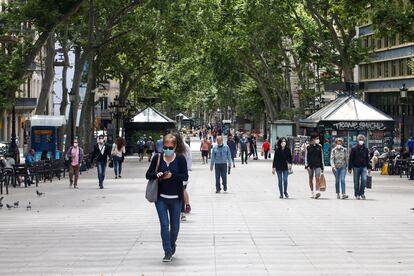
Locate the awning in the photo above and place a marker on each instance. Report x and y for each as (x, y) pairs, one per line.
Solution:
(151, 115)
(347, 108)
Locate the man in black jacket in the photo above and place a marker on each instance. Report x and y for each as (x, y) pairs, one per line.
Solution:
(359, 163)
(314, 163)
(102, 153)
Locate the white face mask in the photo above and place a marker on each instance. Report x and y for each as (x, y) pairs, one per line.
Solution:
(283, 144)
(101, 141)
(75, 144)
(316, 141)
(360, 142)
(338, 146)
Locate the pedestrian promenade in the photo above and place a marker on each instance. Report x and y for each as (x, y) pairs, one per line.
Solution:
(247, 231)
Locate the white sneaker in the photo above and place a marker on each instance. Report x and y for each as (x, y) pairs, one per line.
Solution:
(312, 195)
(338, 196)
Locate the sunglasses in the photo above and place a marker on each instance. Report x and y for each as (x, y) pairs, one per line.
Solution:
(169, 148)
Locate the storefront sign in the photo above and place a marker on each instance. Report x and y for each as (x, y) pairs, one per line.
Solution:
(359, 126)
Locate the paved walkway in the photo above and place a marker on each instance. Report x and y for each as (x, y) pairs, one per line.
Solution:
(247, 231)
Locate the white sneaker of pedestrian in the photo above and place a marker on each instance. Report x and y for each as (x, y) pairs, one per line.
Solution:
(338, 196)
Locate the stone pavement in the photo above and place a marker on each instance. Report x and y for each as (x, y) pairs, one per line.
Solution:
(247, 231)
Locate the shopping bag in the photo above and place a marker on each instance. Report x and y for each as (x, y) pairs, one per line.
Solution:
(322, 183)
(368, 185)
(384, 169)
(290, 171)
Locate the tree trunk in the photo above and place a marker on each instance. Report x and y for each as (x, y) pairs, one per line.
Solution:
(85, 122)
(48, 78)
(80, 60)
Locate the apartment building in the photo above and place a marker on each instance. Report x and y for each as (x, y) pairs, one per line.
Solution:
(386, 71)
(26, 100)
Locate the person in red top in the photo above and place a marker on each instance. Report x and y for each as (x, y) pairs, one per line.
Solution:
(266, 148)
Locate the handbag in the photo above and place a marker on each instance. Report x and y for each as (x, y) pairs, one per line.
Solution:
(151, 192)
(368, 184)
(322, 183)
(290, 171)
(111, 163)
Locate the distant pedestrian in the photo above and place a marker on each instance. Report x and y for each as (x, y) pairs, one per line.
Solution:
(314, 163)
(117, 155)
(188, 139)
(339, 162)
(410, 145)
(172, 172)
(282, 161)
(200, 134)
(150, 146)
(266, 148)
(74, 156)
(243, 148)
(101, 153)
(205, 149)
(159, 144)
(140, 148)
(221, 162)
(359, 165)
(233, 148)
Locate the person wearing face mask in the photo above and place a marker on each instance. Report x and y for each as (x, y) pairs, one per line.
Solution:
(101, 153)
(220, 161)
(74, 156)
(314, 163)
(339, 161)
(281, 163)
(359, 165)
(171, 173)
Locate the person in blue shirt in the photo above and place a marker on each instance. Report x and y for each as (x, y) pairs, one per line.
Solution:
(410, 145)
(159, 144)
(30, 158)
(220, 160)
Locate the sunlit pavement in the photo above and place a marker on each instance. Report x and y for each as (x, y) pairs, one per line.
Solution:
(247, 231)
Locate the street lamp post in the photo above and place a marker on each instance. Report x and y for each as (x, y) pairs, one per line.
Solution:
(72, 97)
(14, 151)
(403, 94)
(117, 110)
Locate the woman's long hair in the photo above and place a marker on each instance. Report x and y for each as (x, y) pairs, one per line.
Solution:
(279, 143)
(119, 143)
(180, 149)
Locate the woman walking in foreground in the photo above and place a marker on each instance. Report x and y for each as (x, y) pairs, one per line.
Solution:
(171, 170)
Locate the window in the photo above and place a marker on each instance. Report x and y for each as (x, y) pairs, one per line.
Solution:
(386, 69)
(392, 41)
(393, 68)
(372, 38)
(379, 70)
(402, 66)
(409, 70)
(372, 69)
(385, 43)
(366, 71)
(379, 43)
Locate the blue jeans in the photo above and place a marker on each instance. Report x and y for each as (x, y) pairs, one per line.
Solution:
(101, 166)
(221, 172)
(340, 174)
(169, 214)
(360, 179)
(117, 165)
(282, 177)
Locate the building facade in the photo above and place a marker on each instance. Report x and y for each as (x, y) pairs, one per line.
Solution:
(386, 71)
(26, 101)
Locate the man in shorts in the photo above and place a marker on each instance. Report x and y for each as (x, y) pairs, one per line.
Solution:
(205, 149)
(314, 163)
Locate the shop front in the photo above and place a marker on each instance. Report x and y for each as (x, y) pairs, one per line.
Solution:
(347, 117)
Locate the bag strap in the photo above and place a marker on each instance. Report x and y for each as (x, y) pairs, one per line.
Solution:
(158, 162)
